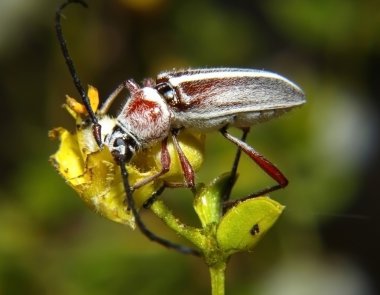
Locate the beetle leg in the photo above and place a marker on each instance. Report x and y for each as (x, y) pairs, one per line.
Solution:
(165, 165)
(154, 197)
(264, 164)
(170, 184)
(233, 173)
(149, 234)
(187, 169)
(131, 85)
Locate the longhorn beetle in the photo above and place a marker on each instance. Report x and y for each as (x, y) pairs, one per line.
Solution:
(209, 99)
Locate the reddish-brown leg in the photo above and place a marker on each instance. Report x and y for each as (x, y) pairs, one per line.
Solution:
(264, 164)
(233, 174)
(187, 169)
(165, 165)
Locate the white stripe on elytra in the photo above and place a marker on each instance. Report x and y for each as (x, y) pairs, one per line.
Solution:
(175, 81)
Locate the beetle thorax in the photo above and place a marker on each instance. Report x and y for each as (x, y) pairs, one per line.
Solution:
(144, 120)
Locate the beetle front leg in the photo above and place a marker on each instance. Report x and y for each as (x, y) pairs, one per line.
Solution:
(264, 164)
(165, 166)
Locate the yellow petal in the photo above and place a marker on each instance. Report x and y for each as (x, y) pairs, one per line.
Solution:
(93, 96)
(75, 108)
(68, 159)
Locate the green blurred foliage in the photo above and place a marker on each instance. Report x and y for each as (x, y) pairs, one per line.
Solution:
(51, 244)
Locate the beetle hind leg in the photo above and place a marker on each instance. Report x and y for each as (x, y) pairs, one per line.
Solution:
(233, 173)
(260, 160)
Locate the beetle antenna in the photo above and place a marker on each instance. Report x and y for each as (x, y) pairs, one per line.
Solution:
(73, 72)
(150, 235)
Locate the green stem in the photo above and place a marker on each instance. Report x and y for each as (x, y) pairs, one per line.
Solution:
(194, 235)
(217, 273)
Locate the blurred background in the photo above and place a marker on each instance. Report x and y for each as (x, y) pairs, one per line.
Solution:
(328, 239)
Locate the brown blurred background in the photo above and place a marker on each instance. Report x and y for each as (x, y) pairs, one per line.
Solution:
(328, 239)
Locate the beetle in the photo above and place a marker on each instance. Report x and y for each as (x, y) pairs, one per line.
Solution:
(207, 100)
(202, 99)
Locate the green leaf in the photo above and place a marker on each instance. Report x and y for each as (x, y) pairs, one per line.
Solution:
(244, 224)
(207, 202)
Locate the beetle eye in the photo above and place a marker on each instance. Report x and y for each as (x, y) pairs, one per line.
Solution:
(166, 91)
(169, 94)
(118, 142)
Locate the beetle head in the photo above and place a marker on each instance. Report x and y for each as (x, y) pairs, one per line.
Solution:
(122, 145)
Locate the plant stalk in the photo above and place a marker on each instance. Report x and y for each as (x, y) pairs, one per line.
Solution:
(217, 273)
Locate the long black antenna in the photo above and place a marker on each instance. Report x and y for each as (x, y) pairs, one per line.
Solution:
(73, 72)
(150, 235)
(97, 135)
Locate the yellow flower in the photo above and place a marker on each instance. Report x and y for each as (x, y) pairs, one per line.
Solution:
(95, 176)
